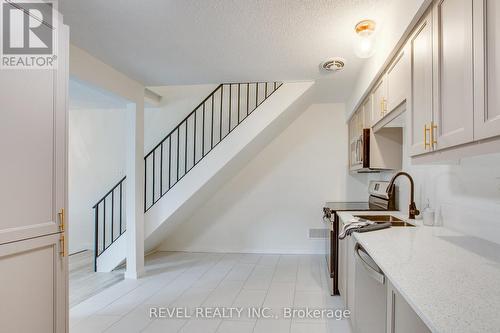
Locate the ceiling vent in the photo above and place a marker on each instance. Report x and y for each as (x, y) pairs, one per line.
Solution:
(333, 65)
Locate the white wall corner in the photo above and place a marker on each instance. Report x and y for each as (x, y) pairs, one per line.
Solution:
(134, 197)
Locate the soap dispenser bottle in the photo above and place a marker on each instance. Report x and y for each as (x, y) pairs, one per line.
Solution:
(428, 214)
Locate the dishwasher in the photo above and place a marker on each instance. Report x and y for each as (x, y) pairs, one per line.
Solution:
(370, 295)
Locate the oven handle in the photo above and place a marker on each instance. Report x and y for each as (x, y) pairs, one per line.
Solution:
(377, 275)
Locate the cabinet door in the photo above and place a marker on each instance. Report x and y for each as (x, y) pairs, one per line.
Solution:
(352, 146)
(398, 77)
(367, 112)
(420, 105)
(361, 120)
(33, 284)
(355, 125)
(33, 134)
(487, 69)
(453, 65)
(379, 101)
(400, 316)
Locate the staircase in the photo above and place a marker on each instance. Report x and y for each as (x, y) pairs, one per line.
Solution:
(214, 138)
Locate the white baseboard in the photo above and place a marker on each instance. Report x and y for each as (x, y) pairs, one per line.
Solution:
(246, 251)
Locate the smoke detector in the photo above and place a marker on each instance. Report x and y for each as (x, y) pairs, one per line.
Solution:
(333, 65)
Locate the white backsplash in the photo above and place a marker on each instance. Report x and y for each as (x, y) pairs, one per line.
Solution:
(466, 193)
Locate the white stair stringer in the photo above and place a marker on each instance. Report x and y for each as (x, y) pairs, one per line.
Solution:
(113, 256)
(226, 159)
(266, 122)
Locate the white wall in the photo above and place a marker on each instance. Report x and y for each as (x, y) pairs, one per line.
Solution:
(177, 103)
(97, 132)
(97, 139)
(273, 201)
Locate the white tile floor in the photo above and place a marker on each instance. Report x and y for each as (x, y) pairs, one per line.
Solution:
(190, 280)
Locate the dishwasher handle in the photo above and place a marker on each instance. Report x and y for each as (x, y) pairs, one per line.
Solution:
(375, 274)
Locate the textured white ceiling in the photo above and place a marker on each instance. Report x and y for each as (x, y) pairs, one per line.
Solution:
(167, 42)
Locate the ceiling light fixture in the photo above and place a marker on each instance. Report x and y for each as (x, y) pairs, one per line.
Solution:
(364, 45)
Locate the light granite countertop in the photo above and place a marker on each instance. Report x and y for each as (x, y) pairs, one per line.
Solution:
(451, 280)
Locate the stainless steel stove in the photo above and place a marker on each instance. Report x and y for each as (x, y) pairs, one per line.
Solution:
(380, 198)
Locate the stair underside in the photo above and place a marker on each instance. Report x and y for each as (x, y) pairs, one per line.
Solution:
(216, 168)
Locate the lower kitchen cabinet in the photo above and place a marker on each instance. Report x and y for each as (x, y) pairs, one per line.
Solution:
(374, 306)
(400, 316)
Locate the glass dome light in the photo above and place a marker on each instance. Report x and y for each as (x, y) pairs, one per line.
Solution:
(364, 44)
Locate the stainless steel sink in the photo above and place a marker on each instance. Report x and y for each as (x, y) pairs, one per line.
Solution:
(395, 222)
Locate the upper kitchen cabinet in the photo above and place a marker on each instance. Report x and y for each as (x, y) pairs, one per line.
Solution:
(453, 116)
(367, 112)
(378, 97)
(397, 78)
(420, 101)
(391, 90)
(448, 72)
(355, 157)
(487, 68)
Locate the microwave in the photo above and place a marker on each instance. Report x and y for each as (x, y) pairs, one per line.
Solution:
(387, 149)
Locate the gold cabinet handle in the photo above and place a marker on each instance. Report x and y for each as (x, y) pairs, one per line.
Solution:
(61, 219)
(62, 226)
(62, 244)
(383, 106)
(433, 138)
(426, 144)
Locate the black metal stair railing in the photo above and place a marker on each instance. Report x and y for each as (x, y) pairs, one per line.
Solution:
(182, 149)
(108, 219)
(199, 133)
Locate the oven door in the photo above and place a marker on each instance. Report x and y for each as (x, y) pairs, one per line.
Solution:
(331, 249)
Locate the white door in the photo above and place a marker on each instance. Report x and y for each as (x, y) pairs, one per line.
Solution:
(453, 62)
(420, 118)
(487, 69)
(33, 273)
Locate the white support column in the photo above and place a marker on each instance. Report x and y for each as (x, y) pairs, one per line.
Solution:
(135, 191)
